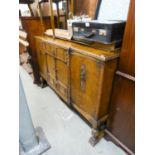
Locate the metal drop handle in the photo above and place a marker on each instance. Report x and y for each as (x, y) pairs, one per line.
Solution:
(83, 77)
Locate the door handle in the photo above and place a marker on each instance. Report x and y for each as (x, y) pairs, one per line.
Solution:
(83, 77)
(88, 35)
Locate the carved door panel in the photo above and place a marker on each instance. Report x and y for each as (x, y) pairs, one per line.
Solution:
(62, 72)
(49, 48)
(85, 83)
(51, 70)
(51, 67)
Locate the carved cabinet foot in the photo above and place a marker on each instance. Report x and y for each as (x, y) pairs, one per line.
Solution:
(36, 77)
(96, 136)
(43, 83)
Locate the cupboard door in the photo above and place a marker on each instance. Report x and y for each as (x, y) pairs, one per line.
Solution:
(85, 83)
(41, 58)
(62, 79)
(51, 70)
(62, 71)
(51, 67)
(57, 59)
(62, 54)
(49, 48)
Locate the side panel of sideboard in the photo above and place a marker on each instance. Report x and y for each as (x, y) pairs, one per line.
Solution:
(41, 59)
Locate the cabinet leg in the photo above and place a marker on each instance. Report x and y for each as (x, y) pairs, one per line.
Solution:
(96, 136)
(43, 83)
(36, 79)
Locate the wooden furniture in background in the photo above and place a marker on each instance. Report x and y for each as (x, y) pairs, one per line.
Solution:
(60, 14)
(86, 6)
(82, 76)
(23, 44)
(28, 2)
(122, 118)
(23, 52)
(32, 26)
(58, 11)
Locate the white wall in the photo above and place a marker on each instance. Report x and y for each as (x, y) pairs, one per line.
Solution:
(114, 9)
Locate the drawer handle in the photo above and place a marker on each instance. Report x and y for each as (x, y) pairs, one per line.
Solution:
(88, 35)
(83, 77)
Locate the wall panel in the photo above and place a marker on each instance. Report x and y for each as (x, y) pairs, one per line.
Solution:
(122, 117)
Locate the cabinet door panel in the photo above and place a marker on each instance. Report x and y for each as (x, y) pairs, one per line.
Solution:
(63, 90)
(62, 71)
(50, 65)
(50, 49)
(57, 60)
(52, 81)
(62, 54)
(51, 70)
(85, 82)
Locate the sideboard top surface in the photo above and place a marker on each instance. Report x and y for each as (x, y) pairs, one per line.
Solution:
(89, 51)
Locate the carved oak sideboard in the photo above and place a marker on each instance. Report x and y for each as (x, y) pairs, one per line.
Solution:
(82, 76)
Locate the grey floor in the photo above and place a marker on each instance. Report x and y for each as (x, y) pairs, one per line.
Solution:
(67, 133)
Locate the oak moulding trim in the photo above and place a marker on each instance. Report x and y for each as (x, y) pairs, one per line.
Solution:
(126, 75)
(118, 142)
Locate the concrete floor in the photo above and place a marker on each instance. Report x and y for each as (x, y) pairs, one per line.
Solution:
(67, 133)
